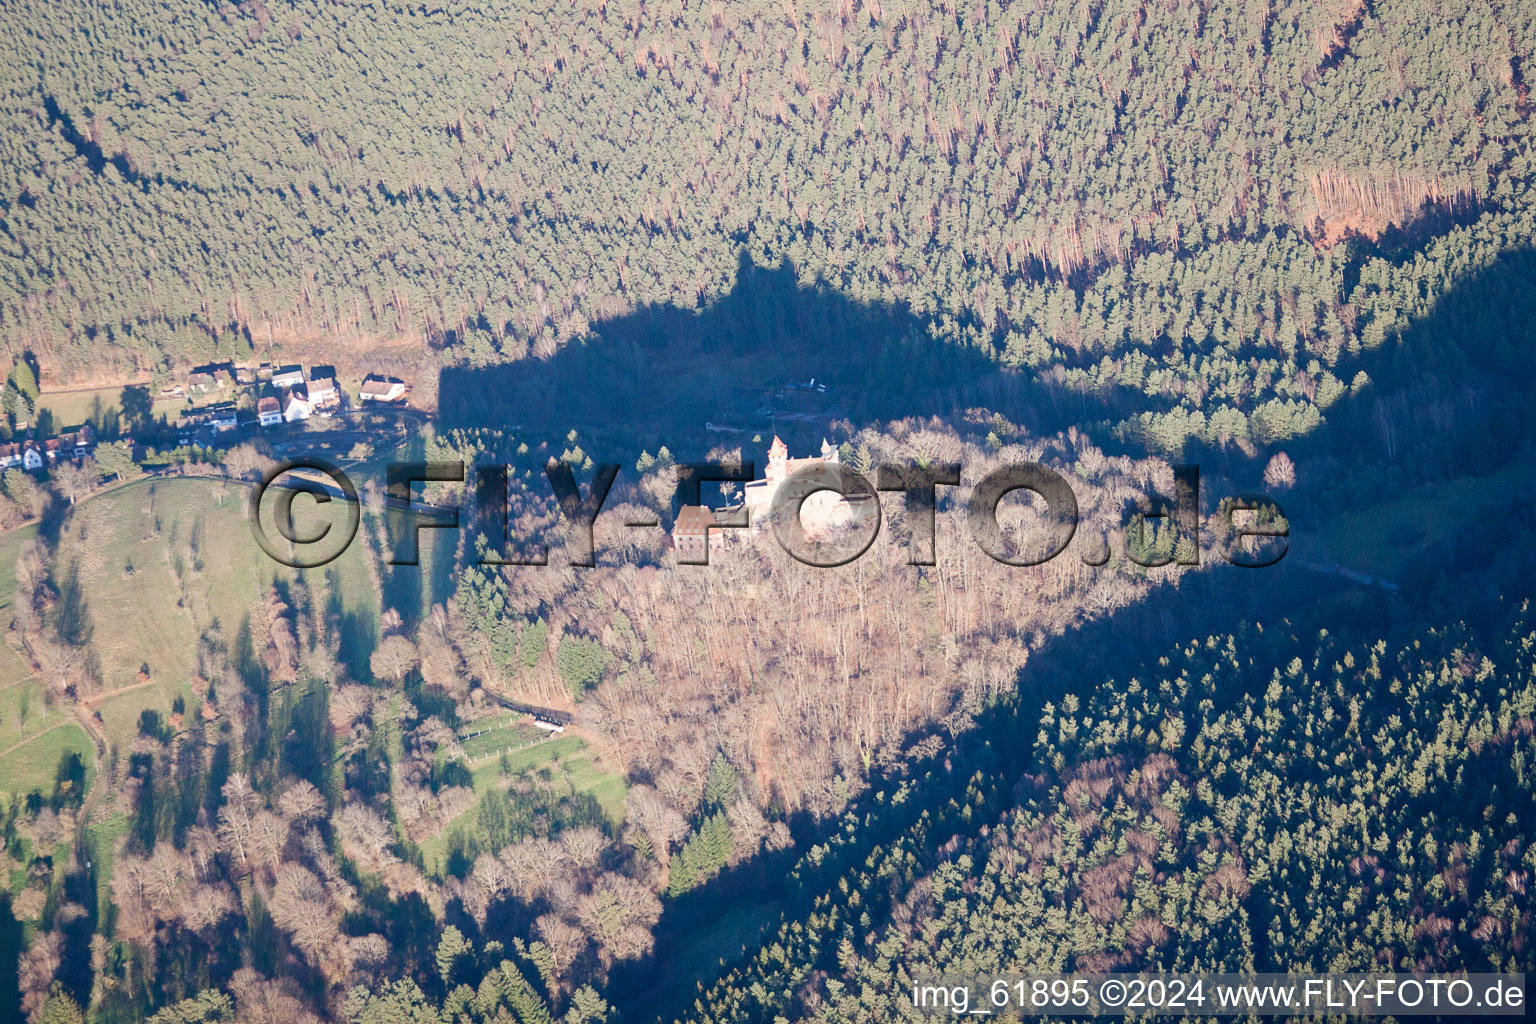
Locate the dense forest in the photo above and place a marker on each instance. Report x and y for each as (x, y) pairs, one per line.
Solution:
(1366, 811)
(1202, 206)
(1289, 240)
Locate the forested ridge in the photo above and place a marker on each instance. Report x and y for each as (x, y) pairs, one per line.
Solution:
(1203, 204)
(1364, 811)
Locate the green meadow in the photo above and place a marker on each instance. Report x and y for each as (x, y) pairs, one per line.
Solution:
(164, 560)
(1388, 537)
(74, 407)
(35, 763)
(566, 763)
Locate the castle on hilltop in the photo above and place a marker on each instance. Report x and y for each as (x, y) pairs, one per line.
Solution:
(810, 474)
(694, 523)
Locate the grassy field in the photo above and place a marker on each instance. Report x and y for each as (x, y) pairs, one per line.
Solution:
(72, 408)
(10, 547)
(1386, 537)
(19, 687)
(28, 763)
(512, 731)
(572, 768)
(102, 836)
(33, 764)
(569, 762)
(161, 561)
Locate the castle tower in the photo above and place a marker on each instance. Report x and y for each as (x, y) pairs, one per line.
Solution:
(828, 453)
(777, 454)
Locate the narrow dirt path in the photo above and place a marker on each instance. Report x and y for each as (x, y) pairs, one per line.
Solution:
(29, 739)
(95, 700)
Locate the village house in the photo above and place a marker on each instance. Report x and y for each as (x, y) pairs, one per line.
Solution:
(324, 396)
(269, 411)
(223, 417)
(288, 376)
(296, 405)
(187, 427)
(33, 455)
(74, 445)
(382, 389)
(212, 375)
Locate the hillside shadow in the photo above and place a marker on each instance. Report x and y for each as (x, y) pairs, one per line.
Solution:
(1451, 396)
(1447, 405)
(658, 375)
(1461, 401)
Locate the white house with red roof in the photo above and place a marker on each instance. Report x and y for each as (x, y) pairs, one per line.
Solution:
(296, 405)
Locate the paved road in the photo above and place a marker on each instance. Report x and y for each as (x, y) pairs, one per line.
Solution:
(1365, 579)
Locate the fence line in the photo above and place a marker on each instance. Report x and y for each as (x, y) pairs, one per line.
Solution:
(508, 750)
(482, 732)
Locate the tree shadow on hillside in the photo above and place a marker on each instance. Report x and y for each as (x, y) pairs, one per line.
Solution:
(660, 374)
(11, 934)
(1477, 340)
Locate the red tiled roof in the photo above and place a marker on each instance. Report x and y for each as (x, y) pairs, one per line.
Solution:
(694, 521)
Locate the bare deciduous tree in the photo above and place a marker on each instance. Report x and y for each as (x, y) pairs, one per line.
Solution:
(394, 659)
(583, 847)
(259, 1000)
(247, 461)
(302, 802)
(1280, 474)
(205, 906)
(618, 913)
(349, 704)
(565, 940)
(234, 830)
(75, 479)
(365, 835)
(269, 834)
(665, 826)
